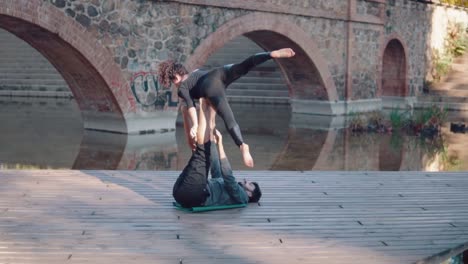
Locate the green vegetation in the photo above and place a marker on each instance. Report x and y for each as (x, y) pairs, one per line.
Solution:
(432, 116)
(442, 64)
(463, 3)
(357, 123)
(456, 44)
(456, 40)
(18, 166)
(373, 121)
(424, 126)
(399, 119)
(426, 122)
(450, 162)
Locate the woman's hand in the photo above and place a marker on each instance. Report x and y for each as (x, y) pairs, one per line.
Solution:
(193, 133)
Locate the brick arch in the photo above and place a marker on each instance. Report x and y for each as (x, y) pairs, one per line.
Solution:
(307, 74)
(394, 71)
(95, 80)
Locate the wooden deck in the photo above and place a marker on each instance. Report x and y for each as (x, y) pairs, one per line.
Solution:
(304, 217)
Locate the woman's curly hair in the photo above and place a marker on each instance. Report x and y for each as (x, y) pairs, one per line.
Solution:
(167, 71)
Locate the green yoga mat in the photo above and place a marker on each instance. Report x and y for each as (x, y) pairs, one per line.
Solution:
(207, 208)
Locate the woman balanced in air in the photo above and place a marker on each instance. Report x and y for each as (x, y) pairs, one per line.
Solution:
(212, 85)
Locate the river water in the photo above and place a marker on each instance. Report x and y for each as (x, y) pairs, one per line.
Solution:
(48, 134)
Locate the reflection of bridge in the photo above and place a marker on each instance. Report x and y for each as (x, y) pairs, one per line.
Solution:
(349, 53)
(46, 133)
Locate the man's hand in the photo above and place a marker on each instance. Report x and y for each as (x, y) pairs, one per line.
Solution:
(218, 138)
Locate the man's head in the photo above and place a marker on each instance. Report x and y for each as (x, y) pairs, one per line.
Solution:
(252, 189)
(170, 72)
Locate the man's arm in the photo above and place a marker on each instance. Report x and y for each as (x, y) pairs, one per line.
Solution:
(215, 165)
(230, 182)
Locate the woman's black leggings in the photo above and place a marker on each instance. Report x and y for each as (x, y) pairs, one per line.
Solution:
(217, 80)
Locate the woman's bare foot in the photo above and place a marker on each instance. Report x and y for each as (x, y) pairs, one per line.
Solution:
(282, 53)
(248, 161)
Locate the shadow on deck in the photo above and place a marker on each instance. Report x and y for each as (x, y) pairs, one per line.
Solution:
(304, 217)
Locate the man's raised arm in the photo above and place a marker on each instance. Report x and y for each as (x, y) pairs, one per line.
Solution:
(230, 182)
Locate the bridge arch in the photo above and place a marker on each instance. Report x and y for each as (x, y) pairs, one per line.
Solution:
(394, 72)
(96, 82)
(306, 75)
(308, 158)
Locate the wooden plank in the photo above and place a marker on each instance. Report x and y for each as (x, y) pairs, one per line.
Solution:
(304, 217)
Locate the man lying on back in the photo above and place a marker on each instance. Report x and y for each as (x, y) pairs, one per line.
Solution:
(193, 188)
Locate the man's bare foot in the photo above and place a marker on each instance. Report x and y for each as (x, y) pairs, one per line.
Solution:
(248, 161)
(282, 53)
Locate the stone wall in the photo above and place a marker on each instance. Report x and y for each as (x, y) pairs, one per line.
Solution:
(315, 8)
(330, 37)
(365, 61)
(422, 28)
(409, 20)
(141, 34)
(347, 37)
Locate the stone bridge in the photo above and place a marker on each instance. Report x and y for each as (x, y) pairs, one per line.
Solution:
(352, 55)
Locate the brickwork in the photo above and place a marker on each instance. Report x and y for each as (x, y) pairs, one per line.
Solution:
(330, 39)
(422, 28)
(370, 9)
(331, 9)
(365, 61)
(87, 67)
(139, 35)
(174, 31)
(108, 50)
(307, 73)
(394, 70)
(411, 20)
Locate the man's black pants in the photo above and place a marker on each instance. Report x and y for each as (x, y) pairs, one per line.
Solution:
(190, 189)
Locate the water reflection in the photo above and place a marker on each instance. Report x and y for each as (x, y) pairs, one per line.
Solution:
(48, 134)
(39, 133)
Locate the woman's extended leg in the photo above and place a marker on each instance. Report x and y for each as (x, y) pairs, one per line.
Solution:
(217, 97)
(235, 71)
(225, 112)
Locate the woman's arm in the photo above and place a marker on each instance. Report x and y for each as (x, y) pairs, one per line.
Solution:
(188, 126)
(192, 113)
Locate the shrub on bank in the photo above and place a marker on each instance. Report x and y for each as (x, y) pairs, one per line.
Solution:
(455, 45)
(426, 122)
